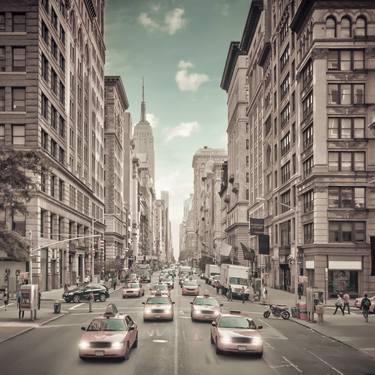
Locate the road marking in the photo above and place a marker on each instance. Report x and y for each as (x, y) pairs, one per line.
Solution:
(268, 345)
(160, 341)
(74, 307)
(292, 364)
(176, 347)
(9, 304)
(326, 363)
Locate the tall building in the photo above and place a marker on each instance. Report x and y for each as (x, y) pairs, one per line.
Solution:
(203, 161)
(164, 195)
(234, 82)
(116, 138)
(52, 90)
(311, 160)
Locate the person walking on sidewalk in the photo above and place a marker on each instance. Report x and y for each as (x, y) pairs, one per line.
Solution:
(365, 306)
(339, 305)
(229, 293)
(91, 299)
(300, 290)
(6, 299)
(346, 299)
(243, 294)
(114, 283)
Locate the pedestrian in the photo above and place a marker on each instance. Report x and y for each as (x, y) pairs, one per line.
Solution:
(300, 290)
(18, 298)
(114, 283)
(229, 293)
(365, 306)
(39, 299)
(339, 305)
(265, 293)
(6, 299)
(21, 313)
(91, 299)
(243, 296)
(346, 299)
(217, 288)
(66, 289)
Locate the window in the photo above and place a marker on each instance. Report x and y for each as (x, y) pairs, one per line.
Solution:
(2, 99)
(330, 27)
(44, 140)
(62, 127)
(284, 58)
(284, 88)
(19, 59)
(61, 190)
(346, 197)
(53, 81)
(275, 152)
(346, 128)
(19, 22)
(285, 172)
(2, 133)
(54, 48)
(62, 93)
(43, 181)
(19, 99)
(346, 161)
(62, 62)
(44, 106)
(347, 231)
(2, 22)
(62, 35)
(308, 137)
(307, 166)
(307, 106)
(285, 232)
(45, 33)
(2, 59)
(284, 116)
(346, 93)
(247, 144)
(45, 4)
(45, 68)
(53, 117)
(53, 185)
(53, 148)
(61, 155)
(346, 60)
(285, 201)
(53, 18)
(247, 177)
(307, 75)
(294, 132)
(18, 134)
(247, 161)
(308, 233)
(308, 201)
(294, 164)
(285, 144)
(19, 222)
(346, 28)
(360, 27)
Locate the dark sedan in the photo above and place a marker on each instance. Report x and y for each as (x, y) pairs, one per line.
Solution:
(82, 294)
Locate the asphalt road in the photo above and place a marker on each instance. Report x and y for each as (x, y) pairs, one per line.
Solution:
(179, 347)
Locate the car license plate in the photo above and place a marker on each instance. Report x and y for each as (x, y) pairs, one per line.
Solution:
(99, 353)
(242, 348)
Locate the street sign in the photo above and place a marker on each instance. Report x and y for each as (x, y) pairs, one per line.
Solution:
(256, 226)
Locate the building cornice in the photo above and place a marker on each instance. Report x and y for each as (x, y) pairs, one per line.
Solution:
(252, 20)
(116, 81)
(233, 53)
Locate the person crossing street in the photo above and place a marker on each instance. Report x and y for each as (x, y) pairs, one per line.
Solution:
(365, 306)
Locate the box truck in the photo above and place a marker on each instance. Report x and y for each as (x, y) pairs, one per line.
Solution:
(236, 277)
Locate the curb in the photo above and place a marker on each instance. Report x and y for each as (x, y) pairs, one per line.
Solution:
(330, 337)
(31, 328)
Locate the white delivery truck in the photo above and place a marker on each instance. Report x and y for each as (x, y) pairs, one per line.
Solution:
(211, 271)
(236, 277)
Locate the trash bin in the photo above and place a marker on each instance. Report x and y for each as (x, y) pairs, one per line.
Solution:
(57, 307)
(302, 311)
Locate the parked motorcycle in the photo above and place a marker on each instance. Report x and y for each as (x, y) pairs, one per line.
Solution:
(278, 311)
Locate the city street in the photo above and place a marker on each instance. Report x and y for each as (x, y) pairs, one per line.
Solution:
(179, 347)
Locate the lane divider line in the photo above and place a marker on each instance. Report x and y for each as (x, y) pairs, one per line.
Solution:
(326, 363)
(292, 364)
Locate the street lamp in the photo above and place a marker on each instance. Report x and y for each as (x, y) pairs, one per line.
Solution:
(296, 212)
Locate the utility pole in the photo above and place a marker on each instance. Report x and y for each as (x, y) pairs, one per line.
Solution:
(31, 256)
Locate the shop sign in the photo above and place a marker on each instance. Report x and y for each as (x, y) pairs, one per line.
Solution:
(310, 264)
(350, 265)
(256, 226)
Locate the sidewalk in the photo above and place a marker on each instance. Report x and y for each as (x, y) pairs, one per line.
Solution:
(348, 329)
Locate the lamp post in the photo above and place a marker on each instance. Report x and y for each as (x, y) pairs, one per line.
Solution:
(296, 214)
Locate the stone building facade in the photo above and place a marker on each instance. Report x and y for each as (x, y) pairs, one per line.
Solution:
(52, 90)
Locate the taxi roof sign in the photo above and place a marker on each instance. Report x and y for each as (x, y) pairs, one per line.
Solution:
(110, 311)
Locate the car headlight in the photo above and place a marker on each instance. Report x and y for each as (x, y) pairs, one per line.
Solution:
(168, 308)
(147, 310)
(117, 345)
(84, 345)
(225, 339)
(257, 341)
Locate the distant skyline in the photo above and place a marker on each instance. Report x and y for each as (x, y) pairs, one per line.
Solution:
(179, 47)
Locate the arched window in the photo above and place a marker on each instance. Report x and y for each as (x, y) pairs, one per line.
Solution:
(361, 26)
(330, 27)
(346, 28)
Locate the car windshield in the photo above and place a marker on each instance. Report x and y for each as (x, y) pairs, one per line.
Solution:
(206, 301)
(236, 322)
(160, 287)
(158, 301)
(107, 325)
(237, 281)
(191, 283)
(132, 285)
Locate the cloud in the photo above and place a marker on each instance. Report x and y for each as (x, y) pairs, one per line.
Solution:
(175, 20)
(152, 119)
(225, 9)
(185, 64)
(183, 130)
(146, 21)
(189, 81)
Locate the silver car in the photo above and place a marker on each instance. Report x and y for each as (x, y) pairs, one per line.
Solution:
(205, 308)
(158, 308)
(133, 290)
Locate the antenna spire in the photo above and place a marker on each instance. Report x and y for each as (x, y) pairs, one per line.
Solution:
(143, 104)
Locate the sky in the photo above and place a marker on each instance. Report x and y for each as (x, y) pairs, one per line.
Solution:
(180, 48)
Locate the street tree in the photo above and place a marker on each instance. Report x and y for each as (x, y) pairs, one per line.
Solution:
(18, 170)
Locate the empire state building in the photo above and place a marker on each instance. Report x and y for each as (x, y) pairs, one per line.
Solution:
(144, 140)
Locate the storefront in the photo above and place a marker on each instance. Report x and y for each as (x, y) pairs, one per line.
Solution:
(343, 277)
